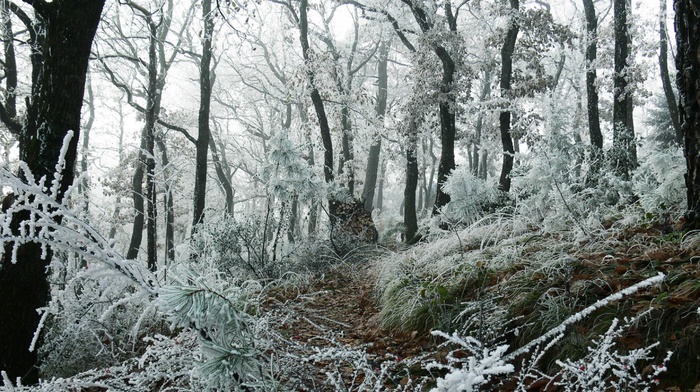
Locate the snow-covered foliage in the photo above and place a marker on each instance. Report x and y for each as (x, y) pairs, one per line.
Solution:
(473, 372)
(222, 314)
(104, 307)
(366, 374)
(659, 180)
(103, 315)
(100, 301)
(52, 223)
(604, 368)
(287, 174)
(470, 196)
(240, 247)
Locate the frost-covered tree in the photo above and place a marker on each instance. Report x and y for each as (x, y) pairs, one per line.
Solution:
(624, 151)
(504, 118)
(204, 132)
(669, 93)
(688, 67)
(120, 59)
(52, 114)
(594, 132)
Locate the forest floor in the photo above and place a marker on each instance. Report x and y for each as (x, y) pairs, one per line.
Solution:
(338, 309)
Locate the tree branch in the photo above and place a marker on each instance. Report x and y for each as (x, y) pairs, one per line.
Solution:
(130, 100)
(394, 23)
(12, 124)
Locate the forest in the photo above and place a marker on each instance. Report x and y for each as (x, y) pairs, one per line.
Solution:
(350, 195)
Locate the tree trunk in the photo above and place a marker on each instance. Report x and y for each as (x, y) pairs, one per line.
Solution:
(83, 185)
(380, 110)
(311, 161)
(10, 69)
(318, 104)
(146, 164)
(433, 161)
(10, 65)
(624, 151)
(293, 217)
(688, 74)
(447, 101)
(139, 205)
(167, 203)
(594, 132)
(447, 129)
(380, 188)
(117, 202)
(346, 158)
(665, 77)
(53, 112)
(410, 219)
(485, 93)
(504, 117)
(483, 167)
(223, 175)
(204, 133)
(424, 194)
(420, 181)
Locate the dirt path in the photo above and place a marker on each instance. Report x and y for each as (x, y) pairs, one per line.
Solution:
(334, 321)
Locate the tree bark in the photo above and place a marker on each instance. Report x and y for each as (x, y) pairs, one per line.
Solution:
(318, 104)
(447, 131)
(10, 65)
(53, 111)
(504, 117)
(146, 164)
(120, 151)
(139, 204)
(380, 188)
(84, 185)
(483, 169)
(380, 110)
(688, 67)
(293, 217)
(311, 161)
(433, 161)
(168, 203)
(485, 93)
(223, 174)
(410, 218)
(347, 155)
(152, 111)
(624, 151)
(204, 132)
(665, 77)
(594, 132)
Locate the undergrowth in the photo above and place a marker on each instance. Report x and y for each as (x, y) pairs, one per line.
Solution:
(566, 287)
